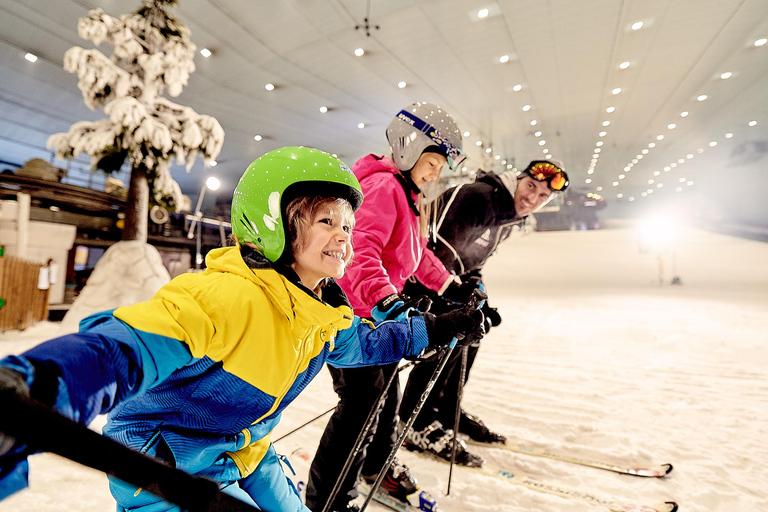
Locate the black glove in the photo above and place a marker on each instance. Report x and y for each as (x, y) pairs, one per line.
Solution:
(492, 314)
(461, 292)
(396, 307)
(11, 383)
(458, 323)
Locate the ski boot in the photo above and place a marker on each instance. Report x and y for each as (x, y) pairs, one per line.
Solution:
(436, 440)
(398, 481)
(477, 430)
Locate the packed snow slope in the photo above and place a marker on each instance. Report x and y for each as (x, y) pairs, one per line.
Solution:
(599, 357)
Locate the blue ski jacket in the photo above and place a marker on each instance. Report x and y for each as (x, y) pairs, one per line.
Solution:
(199, 375)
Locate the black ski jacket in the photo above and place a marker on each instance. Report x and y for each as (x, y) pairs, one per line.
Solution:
(472, 220)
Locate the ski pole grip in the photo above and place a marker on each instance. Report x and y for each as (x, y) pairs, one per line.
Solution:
(31, 423)
(453, 342)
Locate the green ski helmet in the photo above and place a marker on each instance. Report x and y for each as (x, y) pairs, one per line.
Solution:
(273, 180)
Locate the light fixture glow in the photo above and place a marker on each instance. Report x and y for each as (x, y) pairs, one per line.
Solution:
(213, 163)
(361, 125)
(616, 91)
(205, 52)
(667, 169)
(479, 143)
(542, 142)
(606, 123)
(689, 156)
(761, 42)
(671, 126)
(678, 189)
(624, 65)
(517, 88)
(401, 84)
(488, 150)
(323, 109)
(538, 134)
(659, 137)
(681, 160)
(602, 134)
(752, 123)
(619, 195)
(591, 171)
(359, 52)
(728, 135)
(659, 185)
(467, 134)
(526, 108)
(257, 137)
(637, 25)
(645, 151)
(31, 57)
(701, 97)
(270, 87)
(673, 165)
(599, 189)
(689, 183)
(482, 13)
(651, 144)
(213, 183)
(610, 110)
(497, 157)
(681, 180)
(631, 198)
(597, 150)
(533, 122)
(622, 176)
(650, 182)
(588, 181)
(713, 144)
(726, 75)
(615, 183)
(656, 173)
(599, 143)
(684, 113)
(504, 59)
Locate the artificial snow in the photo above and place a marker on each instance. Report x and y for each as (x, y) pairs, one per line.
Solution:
(597, 356)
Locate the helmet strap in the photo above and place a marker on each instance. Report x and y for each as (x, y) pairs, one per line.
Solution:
(410, 188)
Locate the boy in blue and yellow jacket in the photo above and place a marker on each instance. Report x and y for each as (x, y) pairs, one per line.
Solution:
(199, 375)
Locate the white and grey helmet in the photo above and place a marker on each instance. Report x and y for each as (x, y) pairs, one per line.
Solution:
(422, 125)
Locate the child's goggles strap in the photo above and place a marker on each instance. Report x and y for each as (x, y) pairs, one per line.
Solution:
(553, 175)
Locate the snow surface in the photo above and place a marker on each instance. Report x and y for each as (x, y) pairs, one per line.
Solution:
(595, 358)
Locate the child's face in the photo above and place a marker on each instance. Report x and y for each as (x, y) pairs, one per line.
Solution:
(326, 247)
(427, 168)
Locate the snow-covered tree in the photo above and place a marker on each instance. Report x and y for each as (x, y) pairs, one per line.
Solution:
(152, 53)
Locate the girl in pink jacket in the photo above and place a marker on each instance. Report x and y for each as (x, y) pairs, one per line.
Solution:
(390, 246)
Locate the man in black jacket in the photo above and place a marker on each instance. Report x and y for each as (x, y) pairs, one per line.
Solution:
(473, 219)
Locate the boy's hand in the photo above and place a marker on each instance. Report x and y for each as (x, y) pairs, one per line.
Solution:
(400, 307)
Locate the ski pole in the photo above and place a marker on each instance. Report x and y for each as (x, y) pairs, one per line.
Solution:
(422, 399)
(456, 418)
(31, 423)
(305, 424)
(362, 435)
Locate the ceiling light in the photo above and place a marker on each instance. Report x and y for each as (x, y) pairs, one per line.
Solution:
(728, 135)
(401, 84)
(673, 165)
(726, 75)
(599, 189)
(619, 195)
(689, 156)
(644, 194)
(701, 97)
(681, 160)
(761, 42)
(503, 162)
(634, 161)
(596, 155)
(671, 126)
(359, 52)
(610, 110)
(656, 173)
(588, 181)
(597, 150)
(615, 183)
(269, 87)
(700, 150)
(659, 185)
(645, 151)
(627, 168)
(509, 166)
(752, 123)
(602, 134)
(638, 157)
(681, 180)
(205, 52)
(467, 134)
(517, 88)
(545, 151)
(479, 143)
(622, 176)
(213, 182)
(678, 189)
(591, 171)
(606, 123)
(548, 156)
(257, 137)
(542, 142)
(689, 183)
(631, 198)
(713, 144)
(599, 143)
(659, 137)
(624, 65)
(482, 13)
(361, 125)
(533, 122)
(323, 109)
(504, 59)
(538, 134)
(488, 150)
(616, 91)
(667, 169)
(651, 144)
(637, 25)
(213, 163)
(684, 113)
(497, 157)
(650, 182)
(526, 108)
(31, 57)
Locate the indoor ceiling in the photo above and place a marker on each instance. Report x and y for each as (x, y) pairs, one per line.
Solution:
(558, 63)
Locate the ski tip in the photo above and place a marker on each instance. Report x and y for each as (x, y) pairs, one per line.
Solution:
(671, 506)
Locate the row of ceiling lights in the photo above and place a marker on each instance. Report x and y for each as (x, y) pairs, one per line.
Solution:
(671, 126)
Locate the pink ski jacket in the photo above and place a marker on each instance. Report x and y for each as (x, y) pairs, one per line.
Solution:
(387, 241)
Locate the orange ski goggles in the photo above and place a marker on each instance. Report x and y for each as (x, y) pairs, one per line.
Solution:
(543, 170)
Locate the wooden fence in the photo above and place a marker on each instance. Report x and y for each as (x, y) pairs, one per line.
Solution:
(24, 304)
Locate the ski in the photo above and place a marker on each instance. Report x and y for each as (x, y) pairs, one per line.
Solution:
(611, 503)
(659, 471)
(426, 502)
